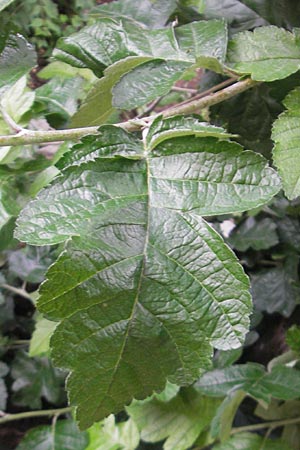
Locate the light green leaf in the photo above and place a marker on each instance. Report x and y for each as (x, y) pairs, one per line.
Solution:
(286, 135)
(221, 424)
(63, 435)
(247, 441)
(152, 14)
(5, 3)
(107, 435)
(125, 210)
(17, 57)
(254, 234)
(267, 53)
(40, 339)
(282, 383)
(18, 99)
(97, 107)
(179, 421)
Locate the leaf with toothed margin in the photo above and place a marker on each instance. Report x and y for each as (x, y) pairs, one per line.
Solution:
(145, 287)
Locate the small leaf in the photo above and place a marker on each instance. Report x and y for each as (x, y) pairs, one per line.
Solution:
(282, 383)
(63, 435)
(267, 53)
(258, 235)
(108, 435)
(179, 421)
(40, 339)
(221, 424)
(286, 135)
(35, 379)
(16, 59)
(277, 289)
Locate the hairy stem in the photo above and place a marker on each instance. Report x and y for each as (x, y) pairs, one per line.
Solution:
(28, 414)
(261, 426)
(25, 137)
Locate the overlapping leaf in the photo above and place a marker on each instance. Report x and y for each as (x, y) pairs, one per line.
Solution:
(267, 53)
(17, 57)
(286, 135)
(145, 285)
(126, 46)
(282, 383)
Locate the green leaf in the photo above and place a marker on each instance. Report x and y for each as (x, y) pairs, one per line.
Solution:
(293, 338)
(63, 435)
(133, 324)
(258, 235)
(97, 107)
(107, 435)
(149, 80)
(34, 379)
(179, 421)
(247, 441)
(40, 339)
(221, 424)
(151, 14)
(283, 13)
(286, 134)
(17, 57)
(267, 53)
(282, 383)
(4, 369)
(201, 43)
(5, 3)
(277, 289)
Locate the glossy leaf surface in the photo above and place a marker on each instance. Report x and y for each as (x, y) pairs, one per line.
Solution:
(286, 135)
(17, 57)
(132, 213)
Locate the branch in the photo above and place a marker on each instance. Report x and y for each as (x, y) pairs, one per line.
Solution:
(26, 137)
(28, 414)
(261, 426)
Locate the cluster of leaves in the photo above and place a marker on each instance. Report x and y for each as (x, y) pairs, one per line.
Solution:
(142, 285)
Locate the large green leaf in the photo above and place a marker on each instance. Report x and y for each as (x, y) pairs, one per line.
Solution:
(63, 435)
(155, 285)
(267, 53)
(286, 135)
(179, 421)
(170, 51)
(282, 383)
(17, 57)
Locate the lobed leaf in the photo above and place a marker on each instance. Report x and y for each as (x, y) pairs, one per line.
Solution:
(145, 286)
(286, 134)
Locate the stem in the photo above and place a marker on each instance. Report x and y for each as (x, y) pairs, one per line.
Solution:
(10, 121)
(28, 414)
(261, 426)
(17, 291)
(26, 137)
